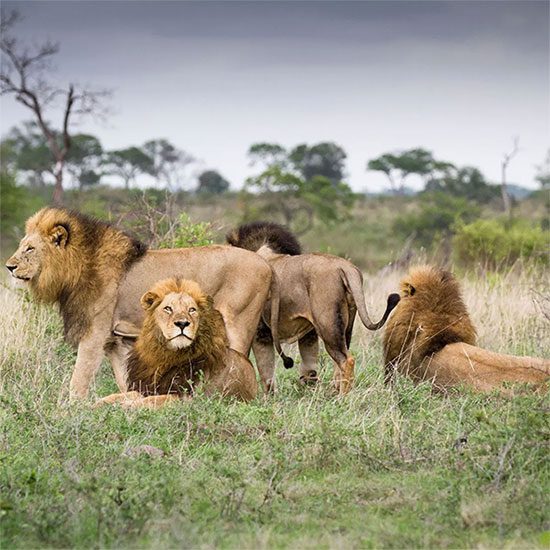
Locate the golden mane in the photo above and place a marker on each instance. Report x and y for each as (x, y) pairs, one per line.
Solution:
(153, 368)
(94, 254)
(430, 315)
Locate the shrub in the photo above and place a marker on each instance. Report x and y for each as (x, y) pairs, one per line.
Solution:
(437, 215)
(495, 243)
(186, 233)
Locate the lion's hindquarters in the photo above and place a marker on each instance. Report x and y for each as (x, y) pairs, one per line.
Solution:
(483, 370)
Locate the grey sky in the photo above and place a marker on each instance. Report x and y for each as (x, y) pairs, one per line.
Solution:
(459, 78)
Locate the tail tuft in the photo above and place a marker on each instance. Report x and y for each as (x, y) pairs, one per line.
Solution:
(393, 300)
(288, 362)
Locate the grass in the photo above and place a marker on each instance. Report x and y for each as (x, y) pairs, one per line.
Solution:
(302, 469)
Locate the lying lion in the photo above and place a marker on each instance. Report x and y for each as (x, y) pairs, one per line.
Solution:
(320, 295)
(96, 274)
(182, 344)
(430, 337)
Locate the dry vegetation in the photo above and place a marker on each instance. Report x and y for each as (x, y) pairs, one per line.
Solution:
(300, 469)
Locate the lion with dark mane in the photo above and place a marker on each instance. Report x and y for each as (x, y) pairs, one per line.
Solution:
(182, 344)
(430, 337)
(96, 273)
(320, 295)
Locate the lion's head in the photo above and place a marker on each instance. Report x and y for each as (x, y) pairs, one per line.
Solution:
(61, 247)
(174, 308)
(41, 256)
(430, 315)
(182, 334)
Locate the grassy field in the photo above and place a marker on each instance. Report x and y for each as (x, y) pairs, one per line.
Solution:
(301, 469)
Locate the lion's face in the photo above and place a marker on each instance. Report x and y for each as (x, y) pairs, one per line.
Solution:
(176, 315)
(27, 262)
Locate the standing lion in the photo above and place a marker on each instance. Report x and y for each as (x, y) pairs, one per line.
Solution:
(183, 344)
(320, 295)
(96, 274)
(430, 337)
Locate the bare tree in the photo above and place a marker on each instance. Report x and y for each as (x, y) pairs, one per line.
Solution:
(22, 72)
(506, 202)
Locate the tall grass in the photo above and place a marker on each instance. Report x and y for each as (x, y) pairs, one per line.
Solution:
(378, 468)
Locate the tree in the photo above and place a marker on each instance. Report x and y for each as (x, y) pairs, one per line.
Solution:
(467, 182)
(268, 154)
(212, 182)
(543, 172)
(85, 159)
(324, 159)
(28, 153)
(22, 74)
(168, 161)
(507, 157)
(399, 166)
(128, 164)
(299, 201)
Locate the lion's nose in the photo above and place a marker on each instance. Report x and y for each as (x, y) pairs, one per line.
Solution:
(182, 324)
(11, 268)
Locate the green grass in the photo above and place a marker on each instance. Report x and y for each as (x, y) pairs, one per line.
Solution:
(301, 469)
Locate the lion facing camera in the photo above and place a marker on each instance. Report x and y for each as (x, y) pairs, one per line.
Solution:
(182, 344)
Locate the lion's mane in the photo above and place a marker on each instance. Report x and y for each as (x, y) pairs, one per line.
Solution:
(430, 315)
(252, 236)
(95, 255)
(154, 369)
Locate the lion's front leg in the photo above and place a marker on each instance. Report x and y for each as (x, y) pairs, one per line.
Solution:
(88, 360)
(91, 349)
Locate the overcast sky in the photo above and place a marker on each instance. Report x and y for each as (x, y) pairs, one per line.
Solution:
(460, 78)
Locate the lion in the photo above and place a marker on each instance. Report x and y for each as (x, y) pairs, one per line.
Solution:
(96, 274)
(430, 337)
(319, 294)
(182, 343)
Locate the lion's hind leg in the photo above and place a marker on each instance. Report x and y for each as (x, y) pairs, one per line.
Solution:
(332, 329)
(151, 402)
(309, 352)
(265, 357)
(119, 398)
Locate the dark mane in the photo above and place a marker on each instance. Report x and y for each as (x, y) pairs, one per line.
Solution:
(254, 235)
(92, 229)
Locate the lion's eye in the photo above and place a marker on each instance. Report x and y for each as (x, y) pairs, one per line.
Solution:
(192, 310)
(29, 249)
(168, 309)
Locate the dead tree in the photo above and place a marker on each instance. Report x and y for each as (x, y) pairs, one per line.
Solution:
(506, 201)
(22, 74)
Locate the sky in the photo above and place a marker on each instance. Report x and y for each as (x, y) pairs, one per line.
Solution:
(459, 78)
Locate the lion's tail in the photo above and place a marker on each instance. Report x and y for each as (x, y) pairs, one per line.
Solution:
(274, 321)
(354, 282)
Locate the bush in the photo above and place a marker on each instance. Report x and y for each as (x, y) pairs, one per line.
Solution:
(438, 214)
(495, 243)
(186, 233)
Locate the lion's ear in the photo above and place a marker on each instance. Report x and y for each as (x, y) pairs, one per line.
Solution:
(408, 289)
(59, 235)
(149, 300)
